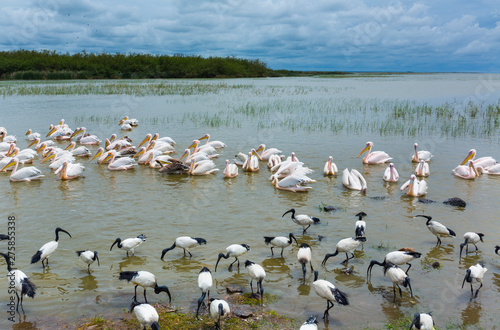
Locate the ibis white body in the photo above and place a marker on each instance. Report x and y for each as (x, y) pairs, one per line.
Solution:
(301, 219)
(129, 244)
(279, 241)
(422, 321)
(475, 273)
(147, 316)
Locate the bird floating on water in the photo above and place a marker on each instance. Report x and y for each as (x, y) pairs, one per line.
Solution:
(354, 180)
(375, 157)
(414, 187)
(420, 155)
(391, 174)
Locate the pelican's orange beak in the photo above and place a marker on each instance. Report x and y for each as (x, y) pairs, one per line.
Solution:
(194, 144)
(140, 152)
(147, 139)
(76, 132)
(49, 156)
(362, 151)
(97, 154)
(469, 157)
(260, 148)
(203, 137)
(70, 145)
(151, 145)
(41, 147)
(9, 164)
(186, 152)
(471, 164)
(108, 157)
(34, 142)
(254, 152)
(51, 131)
(28, 132)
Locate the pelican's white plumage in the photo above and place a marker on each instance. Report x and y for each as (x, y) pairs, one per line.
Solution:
(484, 162)
(418, 156)
(330, 168)
(24, 174)
(414, 187)
(266, 154)
(375, 157)
(467, 172)
(204, 167)
(69, 171)
(353, 180)
(422, 169)
(119, 164)
(231, 170)
(391, 174)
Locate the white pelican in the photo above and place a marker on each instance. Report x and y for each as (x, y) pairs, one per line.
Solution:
(258, 274)
(100, 155)
(302, 219)
(484, 162)
(215, 144)
(266, 154)
(414, 187)
(329, 292)
(32, 136)
(6, 138)
(25, 156)
(273, 161)
(397, 258)
(36, 142)
(78, 152)
(60, 132)
(233, 250)
(353, 180)
(252, 162)
(375, 157)
(88, 257)
(422, 321)
(219, 309)
(467, 172)
(345, 245)
(22, 283)
(129, 244)
(119, 164)
(24, 174)
(279, 241)
(475, 273)
(391, 174)
(58, 160)
(398, 277)
(7, 158)
(146, 315)
(145, 280)
(470, 238)
(144, 156)
(47, 249)
(231, 170)
(304, 256)
(69, 171)
(85, 138)
(422, 169)
(164, 147)
(208, 149)
(492, 170)
(204, 167)
(437, 228)
(9, 151)
(199, 156)
(118, 144)
(420, 155)
(184, 242)
(205, 283)
(310, 324)
(284, 164)
(129, 121)
(330, 168)
(5, 146)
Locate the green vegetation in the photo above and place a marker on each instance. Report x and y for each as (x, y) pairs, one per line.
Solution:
(49, 65)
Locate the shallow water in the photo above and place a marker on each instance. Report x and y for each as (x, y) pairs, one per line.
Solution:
(104, 205)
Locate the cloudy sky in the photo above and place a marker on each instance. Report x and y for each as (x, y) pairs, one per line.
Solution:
(355, 35)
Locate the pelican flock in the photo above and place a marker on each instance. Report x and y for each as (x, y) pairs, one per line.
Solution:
(288, 174)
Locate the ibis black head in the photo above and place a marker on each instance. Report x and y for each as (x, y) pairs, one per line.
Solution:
(142, 236)
(292, 236)
(361, 239)
(496, 249)
(373, 263)
(96, 257)
(429, 218)
(134, 304)
(163, 288)
(290, 210)
(304, 246)
(205, 269)
(389, 265)
(480, 236)
(117, 241)
(58, 229)
(311, 320)
(249, 263)
(462, 247)
(200, 240)
(246, 246)
(360, 215)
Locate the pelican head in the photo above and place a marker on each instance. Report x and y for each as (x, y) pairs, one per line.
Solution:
(146, 139)
(194, 144)
(141, 151)
(52, 130)
(206, 136)
(368, 146)
(470, 156)
(98, 153)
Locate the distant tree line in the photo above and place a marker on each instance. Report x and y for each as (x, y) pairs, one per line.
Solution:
(50, 65)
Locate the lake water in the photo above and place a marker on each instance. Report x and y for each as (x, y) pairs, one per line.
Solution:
(313, 117)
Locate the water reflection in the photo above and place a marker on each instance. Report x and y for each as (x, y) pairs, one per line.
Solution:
(442, 252)
(131, 261)
(88, 283)
(304, 289)
(472, 313)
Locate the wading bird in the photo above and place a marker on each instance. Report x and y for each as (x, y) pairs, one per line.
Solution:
(301, 219)
(310, 324)
(146, 280)
(328, 291)
(22, 283)
(330, 168)
(233, 250)
(470, 238)
(129, 244)
(414, 187)
(345, 245)
(475, 273)
(375, 157)
(360, 226)
(47, 249)
(437, 228)
(279, 241)
(27, 174)
(354, 180)
(396, 258)
(204, 283)
(418, 156)
(391, 174)
(398, 277)
(258, 274)
(422, 321)
(185, 243)
(146, 315)
(304, 257)
(88, 257)
(219, 309)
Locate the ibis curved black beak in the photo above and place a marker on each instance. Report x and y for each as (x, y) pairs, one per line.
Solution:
(97, 257)
(117, 241)
(291, 210)
(221, 255)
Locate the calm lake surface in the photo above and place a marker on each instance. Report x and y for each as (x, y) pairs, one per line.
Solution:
(313, 117)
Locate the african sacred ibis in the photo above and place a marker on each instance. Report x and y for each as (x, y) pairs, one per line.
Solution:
(88, 257)
(279, 241)
(470, 238)
(304, 257)
(184, 242)
(360, 225)
(328, 291)
(146, 315)
(146, 280)
(219, 309)
(422, 321)
(396, 258)
(47, 249)
(345, 245)
(258, 274)
(301, 219)
(129, 244)
(496, 249)
(398, 277)
(204, 283)
(22, 283)
(475, 273)
(233, 250)
(437, 228)
(310, 324)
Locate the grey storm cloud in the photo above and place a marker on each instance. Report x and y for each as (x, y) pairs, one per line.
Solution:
(296, 34)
